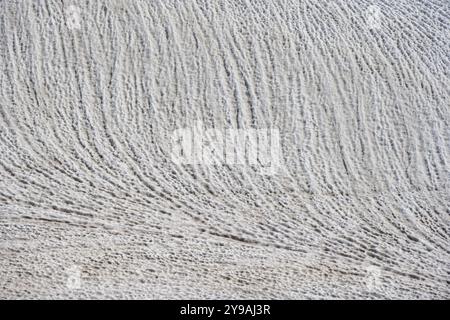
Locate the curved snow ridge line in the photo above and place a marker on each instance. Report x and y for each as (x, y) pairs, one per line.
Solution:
(92, 205)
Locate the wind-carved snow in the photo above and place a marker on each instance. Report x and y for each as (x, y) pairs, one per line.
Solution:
(92, 204)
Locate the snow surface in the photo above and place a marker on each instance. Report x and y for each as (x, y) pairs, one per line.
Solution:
(92, 205)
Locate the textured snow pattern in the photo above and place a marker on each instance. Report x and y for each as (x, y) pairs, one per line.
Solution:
(92, 206)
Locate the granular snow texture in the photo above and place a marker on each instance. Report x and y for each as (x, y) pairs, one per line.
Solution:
(93, 206)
